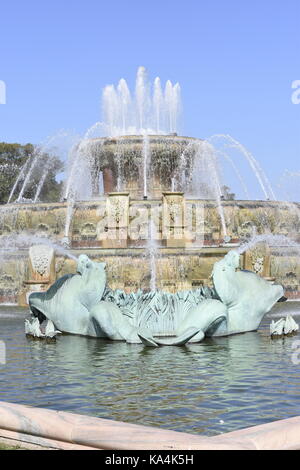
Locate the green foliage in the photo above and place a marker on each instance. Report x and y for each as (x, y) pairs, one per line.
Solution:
(227, 194)
(13, 157)
(10, 447)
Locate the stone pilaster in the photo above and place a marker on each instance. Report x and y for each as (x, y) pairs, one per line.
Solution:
(173, 219)
(117, 215)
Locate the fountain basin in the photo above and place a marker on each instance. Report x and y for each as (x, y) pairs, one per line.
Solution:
(183, 389)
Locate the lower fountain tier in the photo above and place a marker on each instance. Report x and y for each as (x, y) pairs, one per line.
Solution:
(130, 270)
(181, 263)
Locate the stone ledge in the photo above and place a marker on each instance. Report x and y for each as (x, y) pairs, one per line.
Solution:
(61, 430)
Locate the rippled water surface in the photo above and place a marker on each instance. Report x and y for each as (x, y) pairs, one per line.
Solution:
(208, 388)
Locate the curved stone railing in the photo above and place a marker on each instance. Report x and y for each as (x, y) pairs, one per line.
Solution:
(28, 426)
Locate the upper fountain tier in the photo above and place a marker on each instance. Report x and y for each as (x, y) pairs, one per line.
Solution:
(141, 165)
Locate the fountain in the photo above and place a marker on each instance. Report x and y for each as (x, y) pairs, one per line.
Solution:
(149, 246)
(131, 175)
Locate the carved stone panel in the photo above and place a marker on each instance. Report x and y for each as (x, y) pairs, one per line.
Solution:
(258, 260)
(173, 219)
(117, 212)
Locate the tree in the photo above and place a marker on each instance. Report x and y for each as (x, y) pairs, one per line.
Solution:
(14, 157)
(227, 194)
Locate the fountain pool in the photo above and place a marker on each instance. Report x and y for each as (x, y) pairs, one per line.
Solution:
(208, 388)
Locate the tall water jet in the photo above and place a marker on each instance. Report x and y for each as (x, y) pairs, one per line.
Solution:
(119, 156)
(158, 101)
(36, 155)
(142, 98)
(148, 109)
(111, 109)
(172, 100)
(79, 181)
(176, 105)
(19, 178)
(46, 170)
(125, 102)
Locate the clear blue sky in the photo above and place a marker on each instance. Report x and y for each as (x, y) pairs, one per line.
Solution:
(235, 61)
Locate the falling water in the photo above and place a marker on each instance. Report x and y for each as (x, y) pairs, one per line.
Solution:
(42, 179)
(152, 250)
(289, 185)
(35, 158)
(124, 102)
(173, 184)
(72, 163)
(146, 158)
(142, 97)
(205, 180)
(15, 242)
(69, 216)
(158, 104)
(79, 184)
(79, 181)
(119, 158)
(257, 170)
(48, 148)
(237, 172)
(20, 176)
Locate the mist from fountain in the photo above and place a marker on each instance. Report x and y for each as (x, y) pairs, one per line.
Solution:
(79, 175)
(35, 157)
(43, 157)
(237, 173)
(10, 243)
(279, 241)
(146, 163)
(289, 185)
(205, 180)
